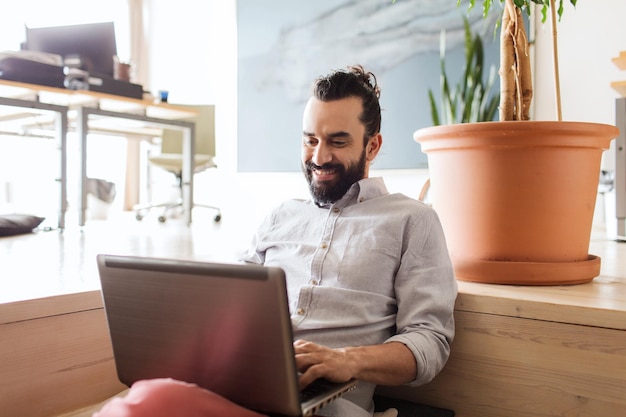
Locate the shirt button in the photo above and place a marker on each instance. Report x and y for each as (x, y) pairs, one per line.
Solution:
(324, 245)
(314, 282)
(336, 210)
(361, 200)
(300, 312)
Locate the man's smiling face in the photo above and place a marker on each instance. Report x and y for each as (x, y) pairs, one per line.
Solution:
(333, 149)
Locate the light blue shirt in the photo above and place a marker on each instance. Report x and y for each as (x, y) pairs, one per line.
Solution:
(371, 268)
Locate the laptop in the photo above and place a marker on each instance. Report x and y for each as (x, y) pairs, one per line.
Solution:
(224, 327)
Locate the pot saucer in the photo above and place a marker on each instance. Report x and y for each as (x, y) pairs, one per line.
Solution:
(529, 273)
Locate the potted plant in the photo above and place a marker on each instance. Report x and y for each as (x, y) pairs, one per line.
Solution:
(516, 197)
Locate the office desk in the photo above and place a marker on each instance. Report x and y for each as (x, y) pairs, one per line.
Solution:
(83, 111)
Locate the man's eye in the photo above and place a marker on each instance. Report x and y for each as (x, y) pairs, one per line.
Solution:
(339, 143)
(310, 142)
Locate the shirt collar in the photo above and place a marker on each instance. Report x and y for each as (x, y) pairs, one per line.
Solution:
(360, 191)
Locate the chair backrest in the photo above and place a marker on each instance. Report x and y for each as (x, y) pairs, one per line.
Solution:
(172, 140)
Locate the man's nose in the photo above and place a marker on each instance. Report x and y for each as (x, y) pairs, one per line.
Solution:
(322, 154)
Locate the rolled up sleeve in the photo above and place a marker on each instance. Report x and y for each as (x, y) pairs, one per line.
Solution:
(426, 290)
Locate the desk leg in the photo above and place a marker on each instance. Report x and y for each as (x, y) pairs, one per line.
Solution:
(188, 169)
(82, 129)
(131, 180)
(620, 168)
(61, 132)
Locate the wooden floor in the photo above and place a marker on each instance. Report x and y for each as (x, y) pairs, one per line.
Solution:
(54, 262)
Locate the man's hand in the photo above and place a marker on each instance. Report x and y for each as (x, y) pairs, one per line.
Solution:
(387, 364)
(316, 361)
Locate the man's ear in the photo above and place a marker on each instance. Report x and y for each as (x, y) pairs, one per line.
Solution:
(373, 146)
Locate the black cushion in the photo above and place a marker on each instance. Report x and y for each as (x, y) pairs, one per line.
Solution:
(410, 409)
(15, 224)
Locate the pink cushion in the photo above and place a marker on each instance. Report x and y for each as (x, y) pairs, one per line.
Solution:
(170, 398)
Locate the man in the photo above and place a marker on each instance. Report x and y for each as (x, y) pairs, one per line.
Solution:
(371, 286)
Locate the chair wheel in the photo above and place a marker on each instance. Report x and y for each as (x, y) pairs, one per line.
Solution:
(217, 218)
(162, 219)
(139, 217)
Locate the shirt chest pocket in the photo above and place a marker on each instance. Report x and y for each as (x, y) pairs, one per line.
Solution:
(369, 263)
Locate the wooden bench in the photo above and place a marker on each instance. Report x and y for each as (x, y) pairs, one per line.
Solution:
(526, 351)
(55, 355)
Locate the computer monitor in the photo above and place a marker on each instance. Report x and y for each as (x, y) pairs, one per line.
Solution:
(93, 43)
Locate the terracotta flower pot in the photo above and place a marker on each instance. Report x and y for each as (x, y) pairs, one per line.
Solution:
(516, 199)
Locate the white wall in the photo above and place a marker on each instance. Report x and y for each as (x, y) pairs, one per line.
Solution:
(589, 36)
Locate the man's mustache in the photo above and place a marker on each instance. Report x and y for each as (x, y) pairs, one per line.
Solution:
(311, 165)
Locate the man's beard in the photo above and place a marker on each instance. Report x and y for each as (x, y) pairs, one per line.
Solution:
(328, 192)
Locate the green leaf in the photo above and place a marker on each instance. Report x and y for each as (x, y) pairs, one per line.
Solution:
(469, 100)
(433, 109)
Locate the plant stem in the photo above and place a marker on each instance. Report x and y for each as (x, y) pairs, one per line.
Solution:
(507, 65)
(516, 89)
(555, 53)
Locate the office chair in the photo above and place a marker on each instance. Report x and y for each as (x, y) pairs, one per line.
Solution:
(171, 159)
